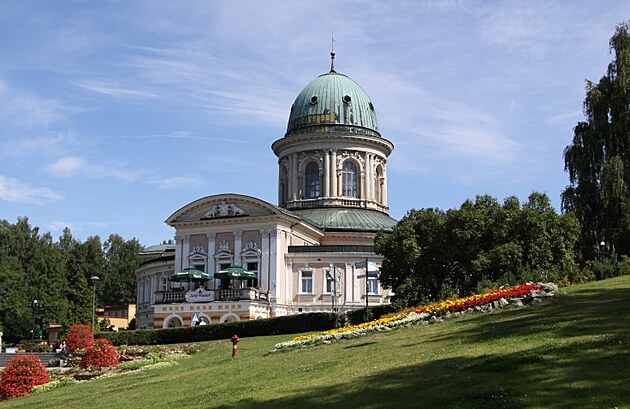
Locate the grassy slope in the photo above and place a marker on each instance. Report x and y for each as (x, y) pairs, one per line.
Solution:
(573, 352)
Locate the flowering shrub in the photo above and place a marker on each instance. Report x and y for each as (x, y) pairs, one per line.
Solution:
(21, 374)
(101, 354)
(462, 304)
(404, 318)
(79, 337)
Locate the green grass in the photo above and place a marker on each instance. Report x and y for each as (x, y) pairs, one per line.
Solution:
(573, 352)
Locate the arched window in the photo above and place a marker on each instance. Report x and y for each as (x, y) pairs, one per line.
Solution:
(378, 185)
(283, 191)
(349, 180)
(311, 181)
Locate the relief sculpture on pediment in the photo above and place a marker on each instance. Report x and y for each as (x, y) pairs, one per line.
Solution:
(224, 209)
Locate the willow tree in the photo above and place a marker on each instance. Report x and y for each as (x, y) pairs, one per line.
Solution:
(598, 159)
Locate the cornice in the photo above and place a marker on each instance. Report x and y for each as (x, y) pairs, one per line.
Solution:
(291, 141)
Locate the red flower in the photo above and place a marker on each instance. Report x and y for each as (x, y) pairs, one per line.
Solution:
(100, 355)
(79, 337)
(21, 374)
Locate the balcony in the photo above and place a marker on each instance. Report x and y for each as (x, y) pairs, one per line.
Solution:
(206, 296)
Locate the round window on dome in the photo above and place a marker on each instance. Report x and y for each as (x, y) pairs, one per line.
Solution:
(347, 99)
(314, 100)
(371, 106)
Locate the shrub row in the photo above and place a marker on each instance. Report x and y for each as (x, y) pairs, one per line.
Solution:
(290, 324)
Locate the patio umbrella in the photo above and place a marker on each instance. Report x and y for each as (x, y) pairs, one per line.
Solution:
(190, 274)
(235, 271)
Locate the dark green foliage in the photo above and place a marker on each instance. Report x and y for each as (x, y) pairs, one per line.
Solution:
(598, 158)
(118, 286)
(34, 267)
(291, 324)
(432, 254)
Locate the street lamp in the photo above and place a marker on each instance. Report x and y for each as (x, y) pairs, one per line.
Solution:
(333, 277)
(93, 279)
(35, 306)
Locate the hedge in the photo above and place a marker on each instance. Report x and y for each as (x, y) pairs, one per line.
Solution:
(291, 324)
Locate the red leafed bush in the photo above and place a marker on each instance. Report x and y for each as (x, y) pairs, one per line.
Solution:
(79, 337)
(21, 374)
(100, 355)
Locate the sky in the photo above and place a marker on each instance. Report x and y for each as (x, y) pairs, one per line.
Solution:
(115, 114)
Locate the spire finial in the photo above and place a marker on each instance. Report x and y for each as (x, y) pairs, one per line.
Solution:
(332, 53)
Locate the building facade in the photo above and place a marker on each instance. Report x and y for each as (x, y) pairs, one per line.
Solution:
(310, 252)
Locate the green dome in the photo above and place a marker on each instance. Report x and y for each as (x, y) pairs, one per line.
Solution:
(333, 102)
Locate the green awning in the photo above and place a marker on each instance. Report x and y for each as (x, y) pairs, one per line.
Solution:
(235, 271)
(190, 274)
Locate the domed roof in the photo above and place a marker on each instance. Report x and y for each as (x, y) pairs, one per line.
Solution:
(348, 219)
(333, 102)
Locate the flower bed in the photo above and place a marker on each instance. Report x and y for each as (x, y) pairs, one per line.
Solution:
(422, 314)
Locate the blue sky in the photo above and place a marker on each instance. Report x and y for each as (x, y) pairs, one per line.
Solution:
(114, 114)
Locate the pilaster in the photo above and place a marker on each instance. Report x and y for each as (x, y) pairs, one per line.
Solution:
(211, 250)
(185, 251)
(178, 254)
(238, 247)
(264, 259)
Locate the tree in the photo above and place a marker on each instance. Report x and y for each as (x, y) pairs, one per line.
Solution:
(598, 159)
(119, 282)
(432, 254)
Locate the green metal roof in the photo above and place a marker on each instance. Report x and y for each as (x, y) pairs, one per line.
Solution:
(344, 219)
(333, 102)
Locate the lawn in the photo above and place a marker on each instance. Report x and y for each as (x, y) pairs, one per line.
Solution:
(572, 352)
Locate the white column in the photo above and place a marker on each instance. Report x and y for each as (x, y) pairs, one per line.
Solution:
(290, 176)
(362, 184)
(238, 247)
(333, 174)
(264, 259)
(289, 282)
(356, 286)
(296, 185)
(369, 185)
(185, 251)
(384, 187)
(178, 254)
(326, 174)
(210, 261)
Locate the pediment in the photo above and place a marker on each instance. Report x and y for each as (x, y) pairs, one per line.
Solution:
(219, 207)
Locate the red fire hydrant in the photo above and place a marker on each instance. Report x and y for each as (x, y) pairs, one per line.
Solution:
(234, 342)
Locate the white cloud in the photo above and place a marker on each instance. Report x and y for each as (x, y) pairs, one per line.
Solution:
(67, 166)
(23, 109)
(114, 90)
(13, 190)
(177, 182)
(74, 166)
(527, 26)
(57, 225)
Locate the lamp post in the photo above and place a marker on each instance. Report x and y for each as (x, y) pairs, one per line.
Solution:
(93, 279)
(35, 306)
(332, 275)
